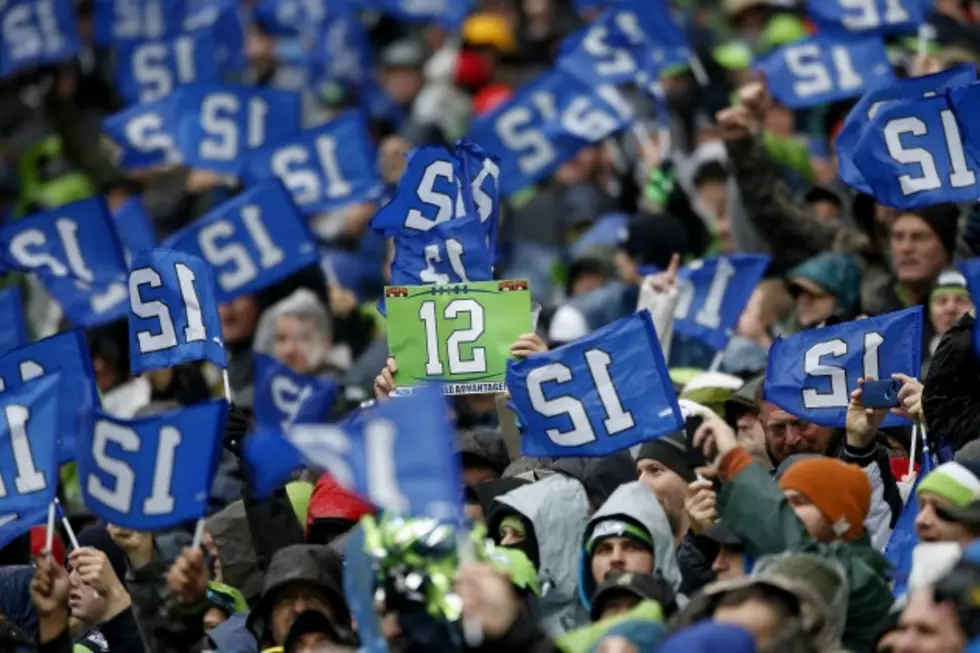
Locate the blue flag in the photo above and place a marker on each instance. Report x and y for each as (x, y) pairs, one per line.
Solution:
(399, 455)
(448, 13)
(911, 154)
(323, 168)
(861, 113)
(173, 314)
(36, 33)
(481, 173)
(284, 18)
(614, 49)
(868, 16)
(342, 52)
(29, 444)
(14, 525)
(133, 226)
(820, 70)
(284, 398)
(359, 589)
(904, 537)
(118, 21)
(75, 252)
(13, 328)
(218, 124)
(545, 124)
(597, 395)
(67, 353)
(812, 374)
(252, 241)
(714, 293)
(670, 45)
(151, 473)
(452, 252)
(151, 70)
(143, 134)
(430, 192)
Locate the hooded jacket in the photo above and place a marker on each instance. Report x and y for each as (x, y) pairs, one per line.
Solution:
(753, 507)
(18, 619)
(317, 565)
(636, 502)
(557, 509)
(951, 396)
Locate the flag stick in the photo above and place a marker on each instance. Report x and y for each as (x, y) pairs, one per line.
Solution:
(921, 46)
(198, 534)
(67, 526)
(49, 534)
(697, 69)
(227, 384)
(912, 447)
(717, 360)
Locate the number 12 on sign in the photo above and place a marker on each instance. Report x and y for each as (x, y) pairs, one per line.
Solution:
(456, 335)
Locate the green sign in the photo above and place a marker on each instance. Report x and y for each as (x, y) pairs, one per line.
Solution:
(458, 335)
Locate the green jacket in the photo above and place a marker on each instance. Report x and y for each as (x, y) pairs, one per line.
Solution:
(752, 506)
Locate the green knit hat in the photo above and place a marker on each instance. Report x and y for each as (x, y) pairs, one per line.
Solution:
(952, 481)
(617, 527)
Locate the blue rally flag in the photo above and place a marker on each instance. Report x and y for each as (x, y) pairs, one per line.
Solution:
(448, 13)
(597, 395)
(911, 154)
(151, 473)
(125, 20)
(29, 426)
(13, 328)
(75, 252)
(820, 70)
(861, 113)
(904, 537)
(399, 455)
(342, 52)
(65, 353)
(252, 241)
(151, 70)
(453, 252)
(546, 123)
(670, 45)
(77, 241)
(133, 226)
(36, 33)
(316, 171)
(812, 374)
(144, 134)
(173, 313)
(612, 50)
(481, 173)
(430, 192)
(714, 293)
(14, 525)
(218, 124)
(284, 398)
(868, 16)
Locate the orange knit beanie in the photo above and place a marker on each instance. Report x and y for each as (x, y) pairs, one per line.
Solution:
(840, 491)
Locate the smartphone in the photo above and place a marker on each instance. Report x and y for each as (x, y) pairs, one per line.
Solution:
(880, 394)
(695, 457)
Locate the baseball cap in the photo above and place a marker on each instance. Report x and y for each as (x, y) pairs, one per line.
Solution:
(642, 586)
